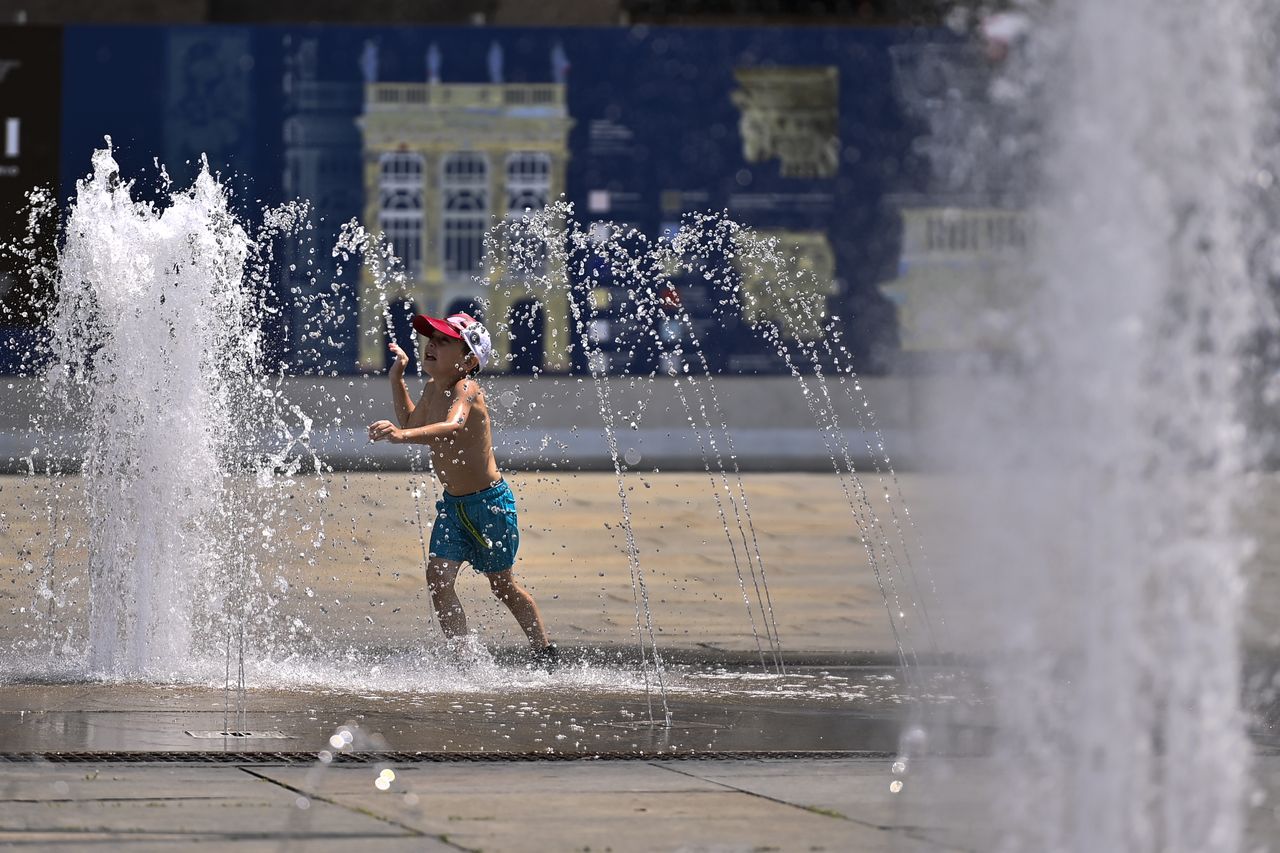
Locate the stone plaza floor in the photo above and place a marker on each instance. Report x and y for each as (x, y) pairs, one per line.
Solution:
(514, 759)
(718, 805)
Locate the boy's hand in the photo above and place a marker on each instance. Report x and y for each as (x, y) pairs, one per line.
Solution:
(401, 359)
(379, 430)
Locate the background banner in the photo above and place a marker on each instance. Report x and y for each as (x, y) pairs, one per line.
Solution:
(431, 134)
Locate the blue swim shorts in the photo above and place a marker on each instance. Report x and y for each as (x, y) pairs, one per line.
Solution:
(479, 528)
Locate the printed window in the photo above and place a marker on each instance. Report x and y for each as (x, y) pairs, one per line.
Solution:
(400, 217)
(465, 196)
(528, 182)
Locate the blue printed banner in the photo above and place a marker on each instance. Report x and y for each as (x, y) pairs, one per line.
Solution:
(430, 135)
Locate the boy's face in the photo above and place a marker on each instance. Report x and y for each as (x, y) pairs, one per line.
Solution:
(443, 356)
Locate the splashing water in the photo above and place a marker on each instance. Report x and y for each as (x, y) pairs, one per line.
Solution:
(1102, 548)
(193, 456)
(716, 250)
(156, 340)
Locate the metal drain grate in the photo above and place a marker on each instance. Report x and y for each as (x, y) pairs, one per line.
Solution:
(311, 758)
(268, 735)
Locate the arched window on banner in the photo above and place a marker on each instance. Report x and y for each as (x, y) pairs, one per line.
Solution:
(529, 190)
(400, 212)
(528, 182)
(465, 197)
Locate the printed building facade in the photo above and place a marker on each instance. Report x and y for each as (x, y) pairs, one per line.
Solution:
(443, 163)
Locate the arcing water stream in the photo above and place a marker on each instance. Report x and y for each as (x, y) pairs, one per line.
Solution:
(714, 249)
(532, 248)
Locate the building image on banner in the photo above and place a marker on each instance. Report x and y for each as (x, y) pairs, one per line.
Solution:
(432, 136)
(443, 161)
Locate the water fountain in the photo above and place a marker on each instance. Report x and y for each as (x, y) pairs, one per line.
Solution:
(194, 539)
(549, 254)
(1099, 574)
(155, 395)
(189, 542)
(1098, 581)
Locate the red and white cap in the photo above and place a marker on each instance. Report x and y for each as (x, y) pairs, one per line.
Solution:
(463, 327)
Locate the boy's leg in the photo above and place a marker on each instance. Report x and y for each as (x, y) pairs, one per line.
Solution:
(441, 574)
(521, 605)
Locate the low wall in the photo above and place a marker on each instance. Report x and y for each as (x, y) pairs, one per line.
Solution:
(556, 422)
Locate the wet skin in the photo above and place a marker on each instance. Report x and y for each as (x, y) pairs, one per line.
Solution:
(452, 419)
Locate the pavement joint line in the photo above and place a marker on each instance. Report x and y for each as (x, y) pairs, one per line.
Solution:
(193, 834)
(40, 800)
(413, 831)
(308, 757)
(41, 843)
(190, 834)
(809, 809)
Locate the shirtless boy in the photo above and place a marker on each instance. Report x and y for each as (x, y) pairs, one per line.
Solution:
(476, 519)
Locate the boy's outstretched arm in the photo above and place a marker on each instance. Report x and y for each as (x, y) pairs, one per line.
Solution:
(399, 390)
(455, 420)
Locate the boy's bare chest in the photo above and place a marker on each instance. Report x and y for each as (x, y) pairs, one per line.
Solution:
(431, 409)
(434, 408)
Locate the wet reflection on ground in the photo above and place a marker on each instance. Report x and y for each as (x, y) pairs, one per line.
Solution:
(588, 710)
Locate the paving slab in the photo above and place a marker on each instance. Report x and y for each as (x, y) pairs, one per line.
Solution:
(597, 806)
(507, 806)
(42, 781)
(497, 778)
(857, 790)
(653, 821)
(195, 817)
(155, 803)
(943, 802)
(709, 805)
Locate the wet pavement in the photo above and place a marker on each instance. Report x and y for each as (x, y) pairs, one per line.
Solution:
(580, 805)
(145, 765)
(851, 710)
(720, 805)
(129, 766)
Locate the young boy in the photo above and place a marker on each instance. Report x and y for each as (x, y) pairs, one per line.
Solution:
(476, 520)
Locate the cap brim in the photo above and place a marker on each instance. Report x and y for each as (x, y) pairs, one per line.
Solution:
(424, 325)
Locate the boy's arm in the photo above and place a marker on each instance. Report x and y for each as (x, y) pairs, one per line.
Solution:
(455, 420)
(399, 390)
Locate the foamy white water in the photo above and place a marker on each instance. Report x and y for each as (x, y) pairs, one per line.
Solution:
(156, 347)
